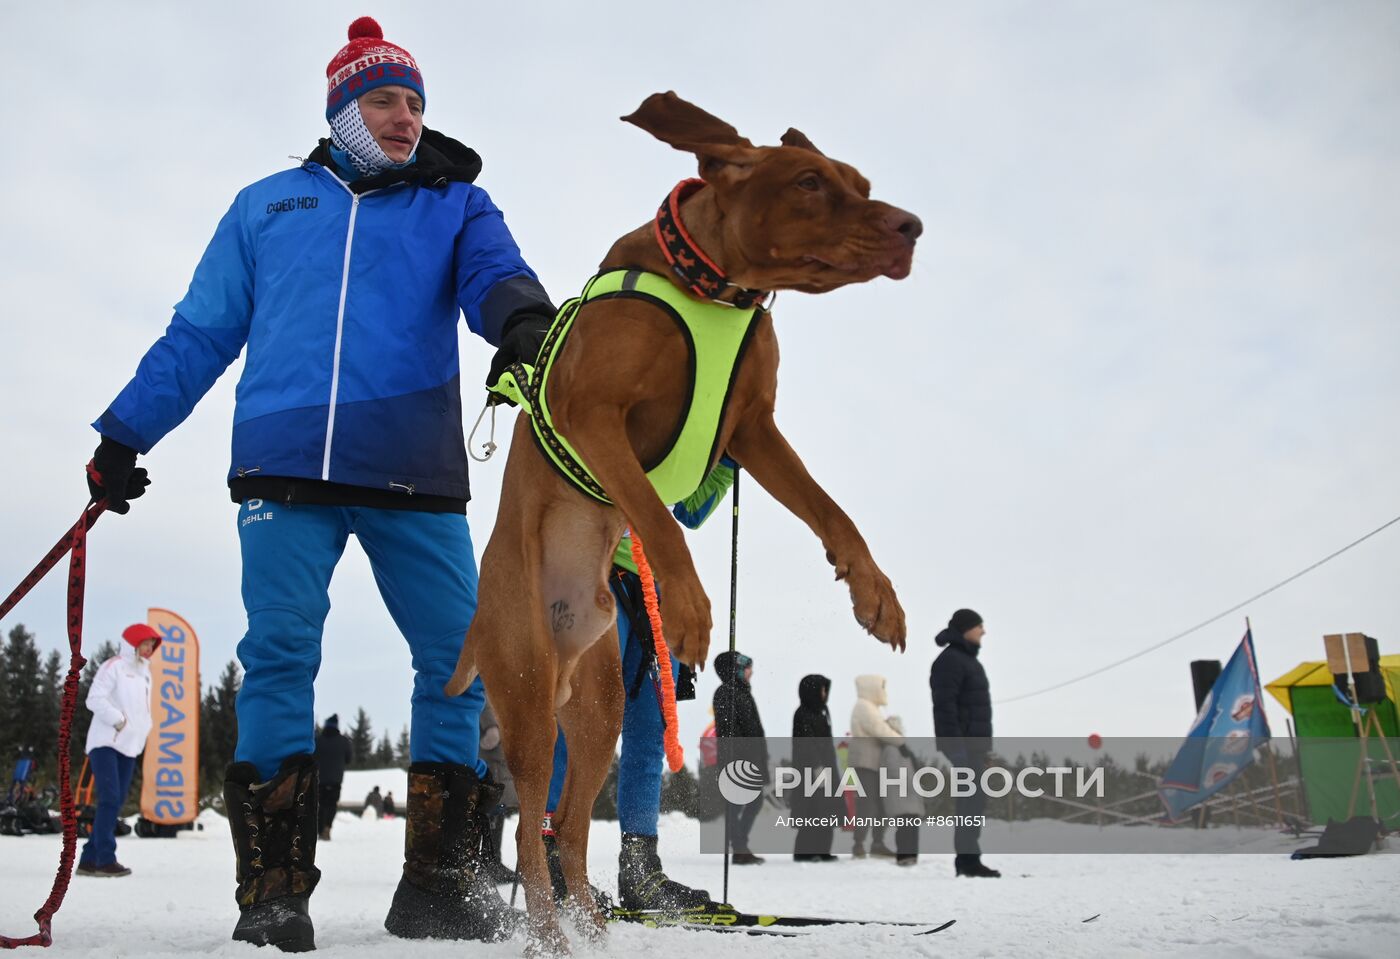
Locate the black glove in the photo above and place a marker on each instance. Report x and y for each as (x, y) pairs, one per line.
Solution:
(112, 474)
(520, 343)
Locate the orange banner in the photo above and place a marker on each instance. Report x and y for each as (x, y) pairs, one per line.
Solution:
(170, 771)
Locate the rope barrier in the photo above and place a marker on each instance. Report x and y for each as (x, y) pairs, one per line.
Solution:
(1202, 625)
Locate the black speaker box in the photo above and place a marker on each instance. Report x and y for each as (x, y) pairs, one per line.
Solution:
(1370, 685)
(1204, 673)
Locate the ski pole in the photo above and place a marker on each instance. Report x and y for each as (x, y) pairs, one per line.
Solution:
(733, 628)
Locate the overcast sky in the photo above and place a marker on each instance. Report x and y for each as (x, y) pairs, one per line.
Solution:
(1146, 364)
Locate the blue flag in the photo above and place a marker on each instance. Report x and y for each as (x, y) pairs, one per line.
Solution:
(1223, 738)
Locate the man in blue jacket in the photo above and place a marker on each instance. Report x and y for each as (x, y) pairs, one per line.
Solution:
(344, 278)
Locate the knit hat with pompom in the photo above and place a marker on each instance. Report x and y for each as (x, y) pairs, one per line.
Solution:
(366, 62)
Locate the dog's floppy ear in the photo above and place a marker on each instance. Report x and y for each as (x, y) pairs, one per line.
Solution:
(722, 153)
(796, 138)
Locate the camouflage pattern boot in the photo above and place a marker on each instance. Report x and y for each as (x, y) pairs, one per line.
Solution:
(274, 839)
(444, 892)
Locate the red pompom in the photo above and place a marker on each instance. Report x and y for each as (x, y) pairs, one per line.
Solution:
(366, 28)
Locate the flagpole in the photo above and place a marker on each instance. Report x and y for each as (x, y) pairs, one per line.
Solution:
(1269, 746)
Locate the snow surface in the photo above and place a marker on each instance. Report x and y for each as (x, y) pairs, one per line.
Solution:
(180, 902)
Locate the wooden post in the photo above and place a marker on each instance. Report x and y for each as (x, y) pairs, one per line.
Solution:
(1339, 654)
(1273, 779)
(1268, 751)
(1300, 799)
(1385, 744)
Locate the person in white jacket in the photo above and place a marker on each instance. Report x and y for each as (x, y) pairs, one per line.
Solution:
(870, 733)
(120, 701)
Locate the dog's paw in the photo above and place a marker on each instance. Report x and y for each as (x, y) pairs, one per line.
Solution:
(876, 607)
(547, 939)
(686, 621)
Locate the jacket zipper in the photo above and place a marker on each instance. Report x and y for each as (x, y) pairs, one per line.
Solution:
(340, 316)
(339, 332)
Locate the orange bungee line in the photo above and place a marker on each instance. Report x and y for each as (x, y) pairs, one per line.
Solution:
(675, 754)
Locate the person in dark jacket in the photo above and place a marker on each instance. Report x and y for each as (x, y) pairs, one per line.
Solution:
(962, 723)
(736, 717)
(341, 281)
(814, 751)
(333, 754)
(374, 800)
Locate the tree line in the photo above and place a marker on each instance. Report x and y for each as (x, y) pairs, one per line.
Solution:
(31, 696)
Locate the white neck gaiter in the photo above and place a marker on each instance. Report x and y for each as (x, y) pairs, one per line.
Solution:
(349, 133)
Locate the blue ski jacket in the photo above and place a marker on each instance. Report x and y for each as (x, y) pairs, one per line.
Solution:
(346, 297)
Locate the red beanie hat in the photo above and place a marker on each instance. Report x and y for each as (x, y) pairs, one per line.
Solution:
(138, 633)
(366, 62)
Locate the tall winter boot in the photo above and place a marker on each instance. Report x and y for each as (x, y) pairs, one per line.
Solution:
(642, 883)
(274, 838)
(444, 893)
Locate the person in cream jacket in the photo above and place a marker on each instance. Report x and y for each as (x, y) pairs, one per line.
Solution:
(870, 733)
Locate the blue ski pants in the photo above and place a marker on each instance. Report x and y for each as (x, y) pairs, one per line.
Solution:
(111, 775)
(426, 572)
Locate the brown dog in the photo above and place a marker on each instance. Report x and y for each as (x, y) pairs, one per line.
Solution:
(771, 218)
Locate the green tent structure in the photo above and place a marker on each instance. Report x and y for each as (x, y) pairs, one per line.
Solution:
(1328, 747)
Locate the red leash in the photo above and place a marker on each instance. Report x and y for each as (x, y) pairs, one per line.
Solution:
(75, 542)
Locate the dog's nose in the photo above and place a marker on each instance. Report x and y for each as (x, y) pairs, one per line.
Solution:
(905, 224)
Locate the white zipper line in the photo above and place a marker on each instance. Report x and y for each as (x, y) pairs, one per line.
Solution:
(340, 317)
(339, 333)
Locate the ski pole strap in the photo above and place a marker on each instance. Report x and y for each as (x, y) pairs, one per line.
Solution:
(675, 755)
(73, 543)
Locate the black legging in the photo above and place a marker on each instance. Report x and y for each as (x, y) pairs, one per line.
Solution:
(741, 819)
(813, 840)
(967, 839)
(327, 799)
(869, 806)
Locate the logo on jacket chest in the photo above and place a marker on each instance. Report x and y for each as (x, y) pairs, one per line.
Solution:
(292, 203)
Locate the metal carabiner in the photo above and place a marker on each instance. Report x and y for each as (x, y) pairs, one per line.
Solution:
(489, 447)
